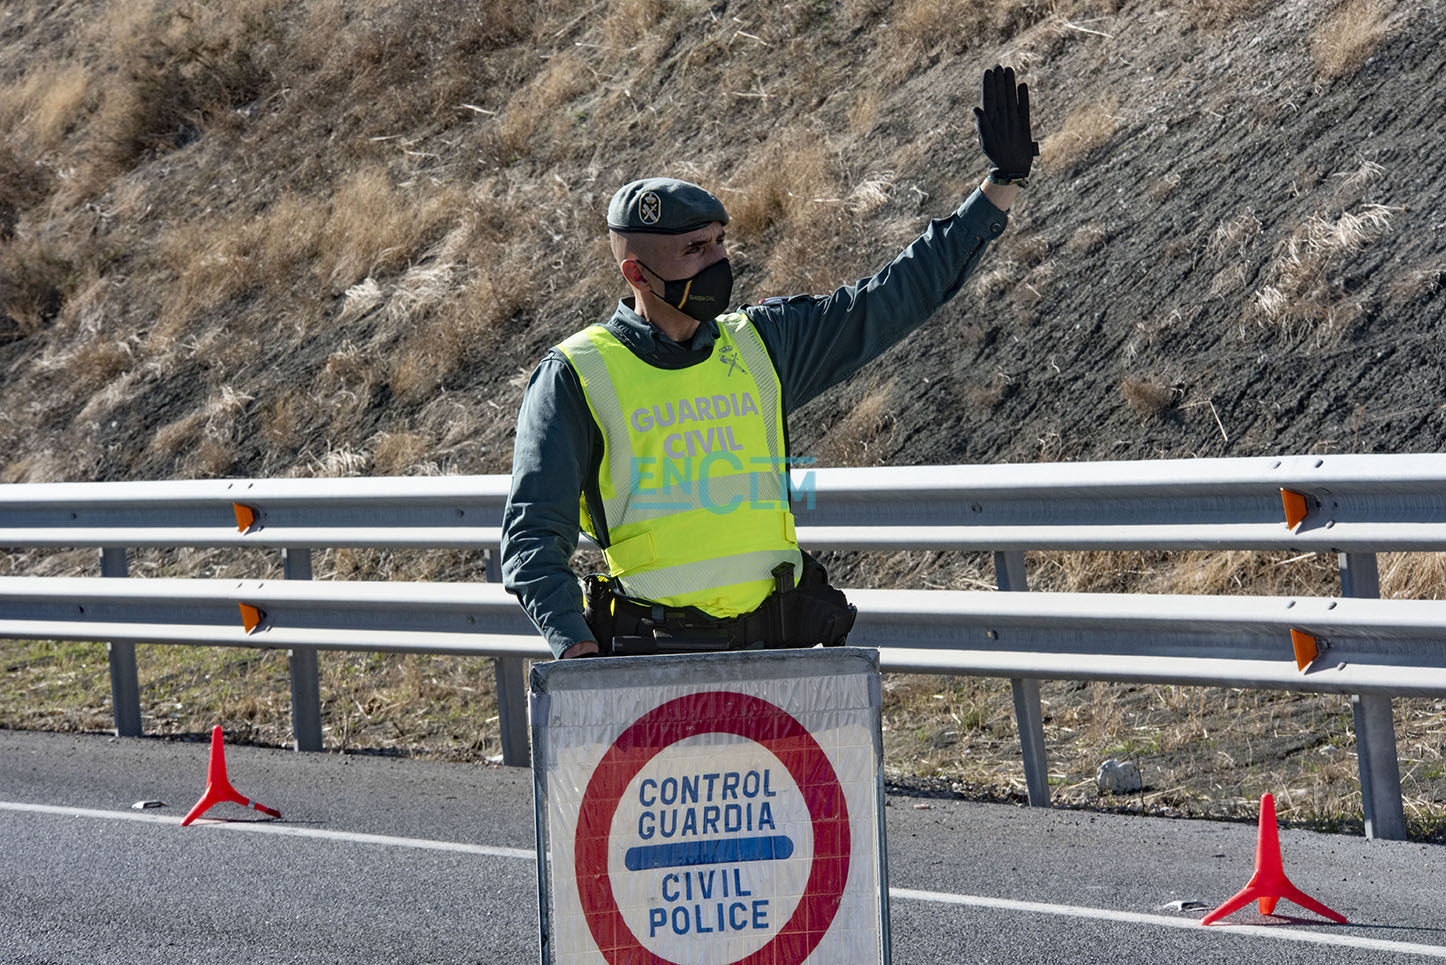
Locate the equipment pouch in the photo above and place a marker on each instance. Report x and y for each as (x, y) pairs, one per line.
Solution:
(814, 612)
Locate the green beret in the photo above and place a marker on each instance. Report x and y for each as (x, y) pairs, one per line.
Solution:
(664, 206)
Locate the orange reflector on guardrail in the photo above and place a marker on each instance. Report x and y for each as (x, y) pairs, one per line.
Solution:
(250, 617)
(1295, 507)
(1306, 649)
(245, 517)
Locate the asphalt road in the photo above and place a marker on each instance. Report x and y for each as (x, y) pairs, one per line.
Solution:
(386, 860)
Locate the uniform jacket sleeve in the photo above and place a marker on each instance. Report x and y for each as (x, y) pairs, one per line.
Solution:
(818, 341)
(556, 437)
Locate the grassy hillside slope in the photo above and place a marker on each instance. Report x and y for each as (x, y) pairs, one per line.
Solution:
(328, 238)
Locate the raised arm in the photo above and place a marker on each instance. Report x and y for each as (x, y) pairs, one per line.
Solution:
(820, 340)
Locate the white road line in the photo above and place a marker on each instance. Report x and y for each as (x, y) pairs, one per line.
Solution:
(1277, 932)
(1106, 914)
(270, 827)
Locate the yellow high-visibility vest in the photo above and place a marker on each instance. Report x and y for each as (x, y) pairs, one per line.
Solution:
(693, 478)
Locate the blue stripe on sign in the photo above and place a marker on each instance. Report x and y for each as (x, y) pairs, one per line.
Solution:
(770, 848)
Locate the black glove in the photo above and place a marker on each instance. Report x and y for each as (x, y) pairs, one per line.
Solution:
(1004, 126)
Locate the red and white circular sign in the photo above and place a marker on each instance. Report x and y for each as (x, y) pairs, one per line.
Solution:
(734, 822)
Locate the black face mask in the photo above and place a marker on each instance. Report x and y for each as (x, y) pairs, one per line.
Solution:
(703, 296)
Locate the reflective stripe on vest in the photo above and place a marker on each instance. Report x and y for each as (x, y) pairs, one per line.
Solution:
(693, 479)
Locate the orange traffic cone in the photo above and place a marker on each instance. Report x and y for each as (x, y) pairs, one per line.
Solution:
(1269, 883)
(218, 787)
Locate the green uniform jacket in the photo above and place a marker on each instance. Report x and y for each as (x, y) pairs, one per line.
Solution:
(815, 341)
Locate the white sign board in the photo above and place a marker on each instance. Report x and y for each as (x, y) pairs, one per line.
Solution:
(711, 809)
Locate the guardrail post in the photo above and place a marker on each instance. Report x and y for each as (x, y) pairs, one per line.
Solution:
(305, 679)
(1009, 574)
(1381, 806)
(125, 687)
(511, 673)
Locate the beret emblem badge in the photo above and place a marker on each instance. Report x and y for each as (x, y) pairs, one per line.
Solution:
(650, 208)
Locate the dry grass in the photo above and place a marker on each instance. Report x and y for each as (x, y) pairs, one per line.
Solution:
(1354, 182)
(369, 226)
(37, 275)
(1235, 572)
(1001, 276)
(855, 439)
(447, 316)
(1234, 237)
(1348, 36)
(282, 419)
(215, 258)
(786, 186)
(339, 398)
(167, 72)
(1146, 396)
(922, 25)
(1029, 250)
(340, 461)
(119, 389)
(960, 730)
(1215, 13)
(1086, 240)
(211, 459)
(793, 191)
(1084, 130)
(457, 423)
(1303, 291)
(1231, 242)
(399, 453)
(629, 21)
(991, 393)
(438, 706)
(376, 226)
(96, 363)
(537, 107)
(1297, 746)
(414, 378)
(449, 704)
(44, 104)
(204, 439)
(178, 436)
(1413, 576)
(1418, 284)
(1161, 188)
(864, 113)
(24, 182)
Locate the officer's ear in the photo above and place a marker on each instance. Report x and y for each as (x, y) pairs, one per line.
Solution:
(632, 271)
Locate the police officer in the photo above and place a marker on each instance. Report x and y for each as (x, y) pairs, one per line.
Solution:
(661, 432)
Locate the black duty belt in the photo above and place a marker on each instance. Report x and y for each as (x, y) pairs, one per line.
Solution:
(802, 615)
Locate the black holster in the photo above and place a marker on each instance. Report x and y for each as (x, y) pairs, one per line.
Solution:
(597, 610)
(812, 612)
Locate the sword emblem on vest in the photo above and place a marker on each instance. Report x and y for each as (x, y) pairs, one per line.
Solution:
(729, 357)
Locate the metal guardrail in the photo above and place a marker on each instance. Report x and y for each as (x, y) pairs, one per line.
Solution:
(1392, 647)
(1395, 647)
(1354, 504)
(433, 512)
(1351, 505)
